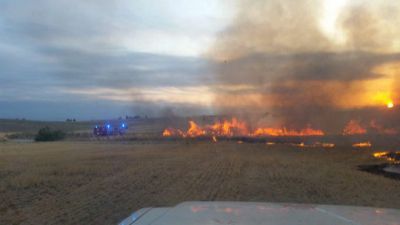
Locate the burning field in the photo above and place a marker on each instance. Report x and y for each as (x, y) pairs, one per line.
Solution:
(353, 134)
(360, 135)
(101, 180)
(234, 127)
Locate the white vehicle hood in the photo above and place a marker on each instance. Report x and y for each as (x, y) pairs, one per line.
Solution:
(252, 213)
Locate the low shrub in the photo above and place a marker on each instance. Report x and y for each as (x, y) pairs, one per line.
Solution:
(46, 134)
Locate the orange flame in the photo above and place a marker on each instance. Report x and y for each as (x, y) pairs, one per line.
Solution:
(167, 133)
(235, 127)
(229, 128)
(353, 127)
(284, 132)
(194, 130)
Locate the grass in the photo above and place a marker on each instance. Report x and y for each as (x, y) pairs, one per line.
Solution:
(102, 182)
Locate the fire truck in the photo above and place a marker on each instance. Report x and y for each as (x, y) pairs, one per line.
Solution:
(110, 129)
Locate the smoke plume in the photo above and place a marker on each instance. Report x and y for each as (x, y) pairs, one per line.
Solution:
(280, 61)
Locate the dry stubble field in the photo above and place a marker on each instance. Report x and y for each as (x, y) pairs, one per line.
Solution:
(102, 182)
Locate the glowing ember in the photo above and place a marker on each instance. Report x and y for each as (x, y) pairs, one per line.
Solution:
(214, 139)
(380, 154)
(392, 157)
(314, 145)
(362, 145)
(270, 143)
(353, 127)
(390, 104)
(301, 145)
(327, 145)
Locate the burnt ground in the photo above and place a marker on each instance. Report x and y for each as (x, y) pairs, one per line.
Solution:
(379, 169)
(102, 182)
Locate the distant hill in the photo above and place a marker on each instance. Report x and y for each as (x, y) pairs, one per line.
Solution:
(29, 126)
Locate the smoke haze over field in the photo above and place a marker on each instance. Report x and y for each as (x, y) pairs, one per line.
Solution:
(309, 61)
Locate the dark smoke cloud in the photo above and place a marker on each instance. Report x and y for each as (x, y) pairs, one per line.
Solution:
(290, 71)
(343, 66)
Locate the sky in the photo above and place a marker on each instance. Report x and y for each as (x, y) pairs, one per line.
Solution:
(92, 59)
(98, 59)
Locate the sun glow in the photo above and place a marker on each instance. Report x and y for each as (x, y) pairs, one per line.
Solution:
(384, 98)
